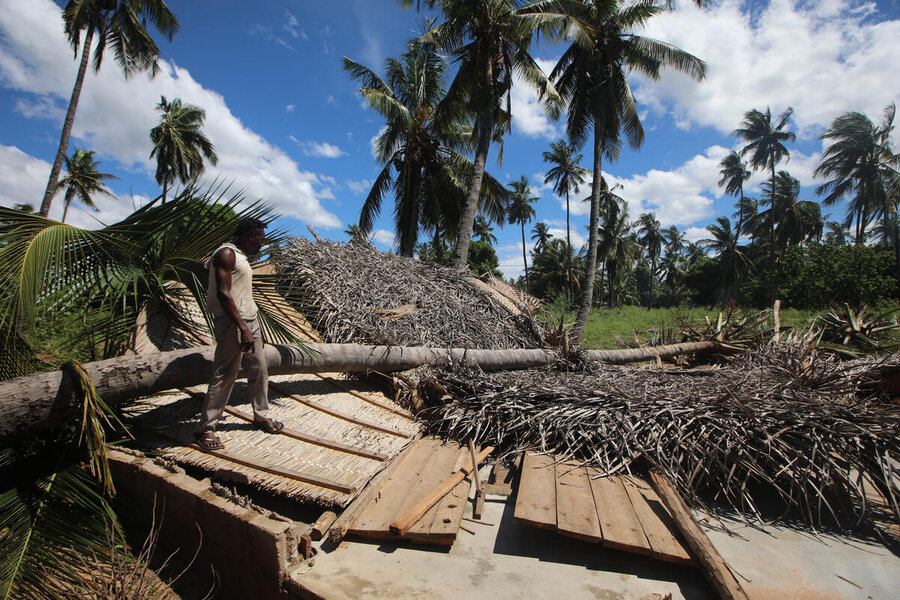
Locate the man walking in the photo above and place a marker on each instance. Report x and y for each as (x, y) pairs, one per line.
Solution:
(238, 337)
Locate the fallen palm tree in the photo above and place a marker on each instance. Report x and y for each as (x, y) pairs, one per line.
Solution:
(787, 419)
(353, 293)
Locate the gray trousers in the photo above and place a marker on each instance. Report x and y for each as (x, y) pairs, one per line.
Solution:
(227, 360)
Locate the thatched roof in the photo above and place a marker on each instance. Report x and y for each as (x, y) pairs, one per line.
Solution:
(353, 293)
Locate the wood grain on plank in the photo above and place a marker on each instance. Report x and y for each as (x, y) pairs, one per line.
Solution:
(619, 523)
(450, 509)
(656, 523)
(576, 515)
(536, 500)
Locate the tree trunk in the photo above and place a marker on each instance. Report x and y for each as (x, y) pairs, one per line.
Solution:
(43, 400)
(467, 219)
(568, 252)
(587, 290)
(524, 256)
(67, 125)
(69, 194)
(652, 281)
(772, 274)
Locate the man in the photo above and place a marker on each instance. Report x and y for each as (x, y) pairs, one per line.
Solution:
(238, 337)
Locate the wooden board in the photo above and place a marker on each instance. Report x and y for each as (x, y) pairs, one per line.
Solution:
(619, 523)
(422, 470)
(536, 500)
(656, 523)
(576, 515)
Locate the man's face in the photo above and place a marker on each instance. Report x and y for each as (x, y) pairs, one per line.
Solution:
(252, 242)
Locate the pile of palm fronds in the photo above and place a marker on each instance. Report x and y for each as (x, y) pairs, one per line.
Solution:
(787, 421)
(354, 293)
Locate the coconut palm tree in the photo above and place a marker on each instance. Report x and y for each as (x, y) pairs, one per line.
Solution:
(836, 233)
(592, 78)
(489, 40)
(178, 143)
(734, 173)
(83, 180)
(541, 236)
(120, 26)
(356, 234)
(765, 145)
(483, 231)
(860, 165)
(674, 240)
(732, 259)
(521, 211)
(566, 175)
(617, 247)
(651, 238)
(748, 215)
(419, 147)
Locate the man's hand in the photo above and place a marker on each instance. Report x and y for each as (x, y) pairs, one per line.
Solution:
(246, 339)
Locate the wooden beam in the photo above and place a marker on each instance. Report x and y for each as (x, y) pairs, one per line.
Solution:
(715, 568)
(322, 524)
(479, 494)
(402, 525)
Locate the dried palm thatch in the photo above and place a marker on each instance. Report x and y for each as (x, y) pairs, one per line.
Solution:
(354, 293)
(786, 419)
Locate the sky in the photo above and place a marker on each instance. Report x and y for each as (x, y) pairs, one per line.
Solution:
(290, 128)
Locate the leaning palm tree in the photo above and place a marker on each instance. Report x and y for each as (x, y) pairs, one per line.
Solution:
(765, 145)
(732, 259)
(178, 143)
(734, 173)
(592, 77)
(420, 147)
(489, 40)
(566, 175)
(651, 237)
(83, 180)
(120, 26)
(521, 211)
(860, 165)
(541, 236)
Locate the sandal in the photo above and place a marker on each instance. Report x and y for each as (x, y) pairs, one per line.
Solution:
(270, 425)
(208, 440)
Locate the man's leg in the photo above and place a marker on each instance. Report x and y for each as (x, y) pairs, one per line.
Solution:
(257, 372)
(226, 362)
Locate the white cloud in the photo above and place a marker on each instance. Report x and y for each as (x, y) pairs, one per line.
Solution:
(529, 116)
(290, 108)
(322, 150)
(578, 239)
(695, 234)
(115, 115)
(292, 26)
(359, 187)
(823, 58)
(384, 237)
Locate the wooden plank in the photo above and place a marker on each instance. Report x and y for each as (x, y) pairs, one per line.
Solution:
(715, 568)
(322, 524)
(448, 512)
(536, 500)
(576, 515)
(338, 414)
(656, 523)
(619, 523)
(318, 441)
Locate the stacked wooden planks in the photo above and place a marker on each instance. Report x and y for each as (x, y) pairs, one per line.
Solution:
(423, 468)
(621, 512)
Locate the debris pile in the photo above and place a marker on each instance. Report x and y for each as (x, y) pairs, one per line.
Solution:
(787, 419)
(353, 293)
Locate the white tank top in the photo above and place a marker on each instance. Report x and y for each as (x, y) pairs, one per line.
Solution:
(241, 285)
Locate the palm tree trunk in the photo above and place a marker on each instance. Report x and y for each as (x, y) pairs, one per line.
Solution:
(652, 281)
(569, 250)
(587, 289)
(69, 194)
(44, 400)
(524, 257)
(467, 219)
(165, 189)
(772, 275)
(67, 125)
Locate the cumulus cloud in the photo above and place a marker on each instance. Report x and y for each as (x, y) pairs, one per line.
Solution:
(322, 150)
(578, 239)
(529, 117)
(383, 237)
(115, 115)
(359, 187)
(695, 234)
(823, 58)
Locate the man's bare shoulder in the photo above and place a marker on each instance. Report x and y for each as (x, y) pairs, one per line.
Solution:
(224, 258)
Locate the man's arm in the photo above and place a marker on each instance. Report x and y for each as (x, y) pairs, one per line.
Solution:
(223, 263)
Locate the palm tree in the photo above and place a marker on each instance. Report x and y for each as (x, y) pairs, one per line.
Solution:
(765, 144)
(489, 40)
(836, 233)
(566, 175)
(617, 247)
(651, 238)
(178, 143)
(356, 234)
(541, 236)
(732, 259)
(734, 173)
(693, 253)
(83, 179)
(483, 231)
(521, 211)
(120, 25)
(860, 164)
(591, 78)
(419, 147)
(748, 215)
(674, 240)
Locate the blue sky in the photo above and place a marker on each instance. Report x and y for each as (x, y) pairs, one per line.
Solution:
(289, 127)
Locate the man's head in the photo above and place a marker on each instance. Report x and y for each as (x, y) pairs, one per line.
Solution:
(250, 235)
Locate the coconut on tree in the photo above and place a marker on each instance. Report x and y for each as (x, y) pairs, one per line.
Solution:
(83, 180)
(120, 26)
(179, 145)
